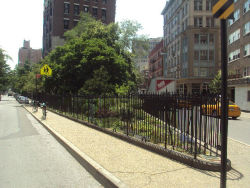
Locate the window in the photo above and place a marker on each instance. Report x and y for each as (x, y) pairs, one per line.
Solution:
(196, 38)
(246, 6)
(203, 55)
(195, 88)
(197, 21)
(76, 9)
(75, 22)
(234, 55)
(103, 15)
(96, 1)
(235, 17)
(66, 8)
(247, 50)
(85, 8)
(196, 71)
(208, 5)
(104, 1)
(66, 24)
(234, 36)
(209, 22)
(204, 72)
(211, 55)
(196, 55)
(197, 5)
(211, 39)
(204, 39)
(246, 71)
(94, 12)
(246, 28)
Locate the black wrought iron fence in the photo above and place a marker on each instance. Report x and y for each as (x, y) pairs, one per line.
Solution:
(188, 124)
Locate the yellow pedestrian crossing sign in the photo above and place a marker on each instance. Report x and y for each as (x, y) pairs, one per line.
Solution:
(223, 9)
(46, 70)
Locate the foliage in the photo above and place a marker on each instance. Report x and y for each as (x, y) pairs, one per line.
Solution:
(4, 70)
(23, 79)
(215, 84)
(99, 84)
(94, 60)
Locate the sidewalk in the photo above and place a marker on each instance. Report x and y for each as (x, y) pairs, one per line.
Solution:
(245, 115)
(137, 167)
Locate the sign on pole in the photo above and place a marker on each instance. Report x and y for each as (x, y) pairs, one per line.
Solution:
(223, 9)
(46, 70)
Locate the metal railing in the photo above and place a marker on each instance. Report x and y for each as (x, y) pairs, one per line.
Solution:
(189, 124)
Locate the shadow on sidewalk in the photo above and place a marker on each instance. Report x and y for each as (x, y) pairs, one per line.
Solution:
(233, 174)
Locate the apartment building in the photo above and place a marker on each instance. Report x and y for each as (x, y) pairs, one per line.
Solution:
(141, 61)
(27, 54)
(63, 15)
(191, 44)
(155, 61)
(239, 54)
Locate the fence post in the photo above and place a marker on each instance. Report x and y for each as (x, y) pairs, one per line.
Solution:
(88, 108)
(77, 107)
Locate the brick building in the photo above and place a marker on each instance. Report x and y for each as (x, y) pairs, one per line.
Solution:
(26, 53)
(155, 61)
(239, 54)
(141, 61)
(191, 44)
(63, 15)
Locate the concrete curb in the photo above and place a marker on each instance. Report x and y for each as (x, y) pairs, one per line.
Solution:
(101, 174)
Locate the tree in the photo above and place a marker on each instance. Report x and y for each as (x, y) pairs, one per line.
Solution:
(215, 84)
(99, 84)
(4, 70)
(91, 47)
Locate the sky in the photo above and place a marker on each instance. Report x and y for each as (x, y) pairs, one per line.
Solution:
(23, 20)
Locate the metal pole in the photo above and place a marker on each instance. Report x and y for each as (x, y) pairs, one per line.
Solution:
(36, 89)
(224, 105)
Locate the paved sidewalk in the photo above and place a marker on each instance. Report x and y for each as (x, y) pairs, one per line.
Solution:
(137, 167)
(245, 114)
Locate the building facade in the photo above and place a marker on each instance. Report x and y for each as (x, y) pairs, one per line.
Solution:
(191, 44)
(27, 54)
(62, 15)
(155, 61)
(239, 54)
(141, 61)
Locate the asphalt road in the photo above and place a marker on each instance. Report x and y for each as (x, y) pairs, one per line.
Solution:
(240, 129)
(31, 157)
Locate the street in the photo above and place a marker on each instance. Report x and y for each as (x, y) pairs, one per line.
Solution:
(31, 157)
(240, 129)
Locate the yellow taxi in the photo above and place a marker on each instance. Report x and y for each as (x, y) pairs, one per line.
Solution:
(215, 110)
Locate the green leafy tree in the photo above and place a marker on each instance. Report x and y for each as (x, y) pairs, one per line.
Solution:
(90, 47)
(99, 84)
(4, 70)
(215, 84)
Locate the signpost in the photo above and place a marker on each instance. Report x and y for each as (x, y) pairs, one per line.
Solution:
(46, 70)
(223, 9)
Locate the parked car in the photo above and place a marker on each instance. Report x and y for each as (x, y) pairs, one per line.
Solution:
(23, 100)
(215, 110)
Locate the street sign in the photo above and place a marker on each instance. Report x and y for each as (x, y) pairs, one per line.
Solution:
(46, 70)
(223, 9)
